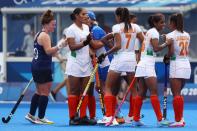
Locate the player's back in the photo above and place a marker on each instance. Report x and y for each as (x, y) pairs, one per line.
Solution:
(127, 38)
(181, 41)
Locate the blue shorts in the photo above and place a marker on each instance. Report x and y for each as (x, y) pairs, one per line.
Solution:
(42, 76)
(103, 73)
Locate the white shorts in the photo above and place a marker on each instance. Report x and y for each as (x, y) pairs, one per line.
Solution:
(146, 68)
(124, 62)
(180, 69)
(76, 69)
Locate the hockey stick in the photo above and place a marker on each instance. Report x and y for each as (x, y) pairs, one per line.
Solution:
(86, 90)
(165, 92)
(98, 84)
(125, 96)
(6, 120)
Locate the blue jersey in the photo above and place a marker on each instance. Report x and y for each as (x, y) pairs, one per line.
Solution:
(41, 61)
(98, 33)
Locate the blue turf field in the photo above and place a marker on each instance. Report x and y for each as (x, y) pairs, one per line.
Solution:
(59, 114)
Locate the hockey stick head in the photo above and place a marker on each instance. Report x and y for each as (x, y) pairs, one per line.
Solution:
(4, 120)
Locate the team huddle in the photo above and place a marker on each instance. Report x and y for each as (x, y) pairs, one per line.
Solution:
(134, 53)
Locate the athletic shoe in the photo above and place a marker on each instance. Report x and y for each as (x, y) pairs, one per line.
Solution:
(137, 123)
(32, 119)
(74, 121)
(181, 123)
(86, 121)
(106, 120)
(163, 123)
(128, 119)
(45, 121)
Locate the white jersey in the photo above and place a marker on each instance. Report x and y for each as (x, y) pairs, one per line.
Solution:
(181, 43)
(147, 48)
(125, 60)
(79, 61)
(127, 39)
(146, 65)
(179, 64)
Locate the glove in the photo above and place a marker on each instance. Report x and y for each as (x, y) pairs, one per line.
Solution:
(61, 44)
(88, 39)
(101, 58)
(166, 59)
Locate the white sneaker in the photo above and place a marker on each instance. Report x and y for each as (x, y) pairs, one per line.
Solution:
(128, 119)
(114, 123)
(32, 119)
(106, 120)
(137, 123)
(181, 123)
(45, 121)
(163, 123)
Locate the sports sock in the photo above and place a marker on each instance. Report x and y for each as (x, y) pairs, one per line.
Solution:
(108, 100)
(131, 106)
(138, 106)
(156, 106)
(83, 108)
(114, 105)
(178, 103)
(43, 102)
(92, 106)
(73, 101)
(34, 104)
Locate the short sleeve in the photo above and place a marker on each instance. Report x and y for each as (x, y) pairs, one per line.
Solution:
(137, 28)
(98, 33)
(154, 34)
(70, 33)
(116, 29)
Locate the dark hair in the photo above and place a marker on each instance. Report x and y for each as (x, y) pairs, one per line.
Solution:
(47, 17)
(123, 13)
(132, 16)
(155, 18)
(177, 19)
(75, 12)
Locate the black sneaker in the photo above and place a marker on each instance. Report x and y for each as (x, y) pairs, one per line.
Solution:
(93, 121)
(86, 121)
(74, 121)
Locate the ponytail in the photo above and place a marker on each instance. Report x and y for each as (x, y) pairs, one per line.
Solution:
(123, 13)
(179, 22)
(150, 21)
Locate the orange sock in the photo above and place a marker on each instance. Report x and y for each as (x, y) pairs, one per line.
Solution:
(114, 105)
(156, 106)
(178, 103)
(108, 100)
(131, 106)
(83, 108)
(92, 106)
(138, 106)
(72, 105)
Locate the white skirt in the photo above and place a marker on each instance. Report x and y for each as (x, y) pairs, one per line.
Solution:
(77, 69)
(124, 62)
(146, 68)
(180, 69)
